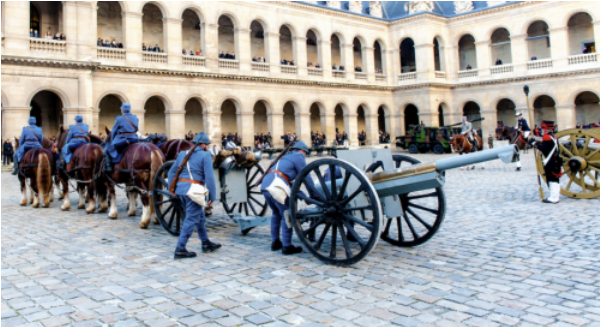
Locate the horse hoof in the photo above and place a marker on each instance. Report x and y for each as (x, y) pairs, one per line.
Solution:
(63, 208)
(144, 225)
(103, 210)
(131, 214)
(112, 217)
(23, 203)
(81, 206)
(89, 211)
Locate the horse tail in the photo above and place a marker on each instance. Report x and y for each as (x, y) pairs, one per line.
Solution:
(44, 178)
(156, 161)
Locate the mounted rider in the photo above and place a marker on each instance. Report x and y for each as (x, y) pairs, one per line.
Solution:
(78, 136)
(123, 133)
(31, 138)
(197, 170)
(467, 130)
(522, 126)
(552, 161)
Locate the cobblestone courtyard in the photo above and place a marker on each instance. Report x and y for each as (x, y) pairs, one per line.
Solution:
(500, 258)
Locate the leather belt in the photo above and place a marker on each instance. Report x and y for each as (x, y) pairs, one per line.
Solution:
(32, 141)
(280, 174)
(185, 180)
(127, 133)
(80, 137)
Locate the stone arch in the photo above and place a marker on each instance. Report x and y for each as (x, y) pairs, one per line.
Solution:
(587, 107)
(287, 47)
(506, 109)
(195, 109)
(235, 100)
(408, 58)
(261, 111)
(50, 17)
(337, 49)
(544, 107)
(47, 107)
(226, 35)
(164, 98)
(362, 123)
(538, 47)
(290, 110)
(573, 12)
(379, 56)
(192, 30)
(472, 110)
(120, 95)
(580, 31)
(153, 32)
(156, 107)
(341, 113)
(110, 26)
(230, 108)
(443, 113)
(490, 32)
(384, 119)
(467, 52)
(193, 8)
(63, 95)
(109, 105)
(259, 40)
(530, 21)
(159, 4)
(500, 44)
(263, 22)
(316, 112)
(5, 102)
(438, 53)
(313, 47)
(411, 115)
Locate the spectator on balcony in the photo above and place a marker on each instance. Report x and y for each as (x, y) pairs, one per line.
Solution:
(198, 52)
(221, 55)
(156, 49)
(586, 49)
(254, 59)
(106, 44)
(36, 33)
(49, 35)
(469, 67)
(335, 66)
(191, 52)
(63, 37)
(119, 44)
(341, 67)
(183, 52)
(358, 69)
(533, 58)
(143, 47)
(56, 36)
(498, 62)
(31, 34)
(189, 136)
(224, 140)
(113, 44)
(99, 43)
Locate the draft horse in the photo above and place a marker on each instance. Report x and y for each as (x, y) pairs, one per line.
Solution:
(36, 166)
(85, 170)
(515, 137)
(47, 144)
(139, 165)
(461, 144)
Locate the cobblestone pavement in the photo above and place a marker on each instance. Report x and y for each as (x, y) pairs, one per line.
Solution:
(501, 258)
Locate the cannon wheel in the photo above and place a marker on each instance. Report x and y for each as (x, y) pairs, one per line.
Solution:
(581, 163)
(170, 211)
(423, 213)
(332, 220)
(256, 204)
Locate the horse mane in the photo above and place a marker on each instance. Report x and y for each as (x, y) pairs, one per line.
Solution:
(95, 139)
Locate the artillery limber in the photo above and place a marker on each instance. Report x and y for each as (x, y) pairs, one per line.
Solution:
(580, 153)
(368, 194)
(235, 177)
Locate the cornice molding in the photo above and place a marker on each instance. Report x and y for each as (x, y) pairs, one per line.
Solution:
(333, 12)
(57, 63)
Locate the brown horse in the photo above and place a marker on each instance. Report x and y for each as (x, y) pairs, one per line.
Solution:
(85, 169)
(137, 169)
(49, 145)
(36, 166)
(515, 137)
(171, 148)
(461, 144)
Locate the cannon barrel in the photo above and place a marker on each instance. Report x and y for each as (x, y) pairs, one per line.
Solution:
(507, 154)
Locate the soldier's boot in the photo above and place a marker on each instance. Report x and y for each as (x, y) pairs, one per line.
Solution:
(183, 253)
(554, 193)
(107, 163)
(209, 246)
(275, 246)
(15, 167)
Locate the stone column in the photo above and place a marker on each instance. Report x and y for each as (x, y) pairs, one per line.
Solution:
(245, 125)
(301, 58)
(425, 61)
(211, 47)
(390, 126)
(395, 68)
(69, 116)
(13, 120)
(85, 32)
(141, 119)
(351, 127)
(453, 63)
(483, 52)
(565, 116)
(175, 121)
(325, 51)
(132, 36)
(95, 126)
(275, 124)
(242, 49)
(328, 126)
(519, 53)
(16, 30)
(172, 40)
(597, 34)
(84, 96)
(212, 125)
(488, 126)
(273, 56)
(559, 47)
(372, 130)
(348, 63)
(369, 63)
(70, 18)
(390, 68)
(399, 125)
(303, 127)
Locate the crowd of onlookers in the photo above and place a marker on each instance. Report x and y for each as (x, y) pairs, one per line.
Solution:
(231, 140)
(287, 62)
(226, 55)
(156, 48)
(49, 35)
(262, 141)
(109, 44)
(259, 59)
(384, 137)
(191, 52)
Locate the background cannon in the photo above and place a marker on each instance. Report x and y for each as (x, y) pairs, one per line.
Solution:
(368, 194)
(580, 151)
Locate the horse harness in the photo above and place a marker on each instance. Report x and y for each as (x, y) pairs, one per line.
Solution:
(131, 172)
(98, 174)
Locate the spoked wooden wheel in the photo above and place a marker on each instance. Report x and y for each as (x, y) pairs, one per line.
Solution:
(346, 217)
(422, 213)
(581, 163)
(255, 204)
(169, 209)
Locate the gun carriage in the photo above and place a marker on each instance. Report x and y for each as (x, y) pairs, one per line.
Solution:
(579, 150)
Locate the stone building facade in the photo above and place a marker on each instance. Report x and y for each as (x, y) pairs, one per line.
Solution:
(419, 61)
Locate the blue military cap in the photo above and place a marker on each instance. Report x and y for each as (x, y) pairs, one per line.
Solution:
(201, 138)
(126, 107)
(300, 145)
(79, 118)
(32, 121)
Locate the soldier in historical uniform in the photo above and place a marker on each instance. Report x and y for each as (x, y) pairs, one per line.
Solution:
(201, 169)
(467, 130)
(552, 161)
(123, 133)
(31, 138)
(78, 135)
(523, 126)
(285, 171)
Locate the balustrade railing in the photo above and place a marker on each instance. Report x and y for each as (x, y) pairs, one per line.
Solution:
(111, 53)
(468, 73)
(360, 75)
(407, 76)
(47, 45)
(501, 69)
(156, 57)
(338, 73)
(583, 59)
(539, 64)
(260, 66)
(380, 77)
(229, 64)
(440, 74)
(287, 69)
(194, 61)
(315, 71)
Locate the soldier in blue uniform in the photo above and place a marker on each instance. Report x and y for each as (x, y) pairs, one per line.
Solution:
(123, 133)
(76, 137)
(31, 138)
(200, 166)
(523, 126)
(286, 169)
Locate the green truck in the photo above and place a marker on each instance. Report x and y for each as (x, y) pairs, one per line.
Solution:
(422, 139)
